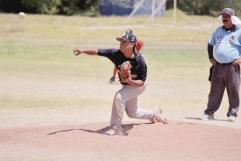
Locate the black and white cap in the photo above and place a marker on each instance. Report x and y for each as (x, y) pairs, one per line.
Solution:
(127, 36)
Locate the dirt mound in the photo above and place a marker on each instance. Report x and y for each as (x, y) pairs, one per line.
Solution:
(177, 141)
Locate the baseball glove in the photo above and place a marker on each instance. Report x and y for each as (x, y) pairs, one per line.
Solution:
(125, 70)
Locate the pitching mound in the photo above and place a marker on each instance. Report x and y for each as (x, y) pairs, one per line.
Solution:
(177, 141)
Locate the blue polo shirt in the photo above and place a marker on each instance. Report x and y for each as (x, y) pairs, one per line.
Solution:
(224, 50)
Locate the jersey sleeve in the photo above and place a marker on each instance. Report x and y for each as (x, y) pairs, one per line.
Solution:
(239, 37)
(104, 52)
(239, 41)
(109, 53)
(235, 40)
(211, 40)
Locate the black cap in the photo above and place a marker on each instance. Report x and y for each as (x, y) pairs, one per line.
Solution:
(127, 36)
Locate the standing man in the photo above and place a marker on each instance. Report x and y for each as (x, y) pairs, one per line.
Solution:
(225, 71)
(132, 85)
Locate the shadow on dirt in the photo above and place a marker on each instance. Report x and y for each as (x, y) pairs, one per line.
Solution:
(198, 118)
(103, 131)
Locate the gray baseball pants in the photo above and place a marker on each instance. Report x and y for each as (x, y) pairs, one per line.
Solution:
(224, 75)
(126, 100)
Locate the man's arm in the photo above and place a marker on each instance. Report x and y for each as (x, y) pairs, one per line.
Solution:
(210, 51)
(130, 81)
(210, 54)
(237, 44)
(78, 51)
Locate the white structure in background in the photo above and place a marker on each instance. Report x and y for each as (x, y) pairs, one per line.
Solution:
(174, 11)
(158, 8)
(155, 8)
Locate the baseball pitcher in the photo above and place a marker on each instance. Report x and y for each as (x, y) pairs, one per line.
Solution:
(132, 72)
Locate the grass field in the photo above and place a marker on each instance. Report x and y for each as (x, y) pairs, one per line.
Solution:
(38, 69)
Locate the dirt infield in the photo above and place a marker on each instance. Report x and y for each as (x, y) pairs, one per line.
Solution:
(75, 132)
(178, 141)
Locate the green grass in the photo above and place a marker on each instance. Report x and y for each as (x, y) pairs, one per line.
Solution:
(40, 47)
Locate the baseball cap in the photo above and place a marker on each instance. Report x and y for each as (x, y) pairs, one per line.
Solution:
(127, 36)
(228, 11)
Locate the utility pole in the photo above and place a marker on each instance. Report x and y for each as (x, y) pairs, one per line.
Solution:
(174, 11)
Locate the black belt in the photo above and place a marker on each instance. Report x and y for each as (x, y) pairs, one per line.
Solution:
(224, 64)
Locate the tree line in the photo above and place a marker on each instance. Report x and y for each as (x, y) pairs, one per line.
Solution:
(63, 7)
(90, 7)
(206, 7)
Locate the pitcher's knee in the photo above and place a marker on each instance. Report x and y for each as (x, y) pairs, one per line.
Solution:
(118, 98)
(131, 115)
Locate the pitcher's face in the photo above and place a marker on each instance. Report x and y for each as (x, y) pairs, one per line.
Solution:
(126, 47)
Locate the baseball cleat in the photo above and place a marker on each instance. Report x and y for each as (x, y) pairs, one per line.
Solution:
(159, 118)
(231, 118)
(206, 117)
(115, 131)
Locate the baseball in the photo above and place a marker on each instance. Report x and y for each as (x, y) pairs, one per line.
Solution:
(21, 14)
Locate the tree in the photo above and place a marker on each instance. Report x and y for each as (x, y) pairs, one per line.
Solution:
(67, 7)
(43, 6)
(206, 7)
(76, 6)
(10, 6)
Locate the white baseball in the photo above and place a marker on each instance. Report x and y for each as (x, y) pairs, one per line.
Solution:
(21, 14)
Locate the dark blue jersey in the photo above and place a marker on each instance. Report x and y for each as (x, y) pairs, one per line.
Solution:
(139, 68)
